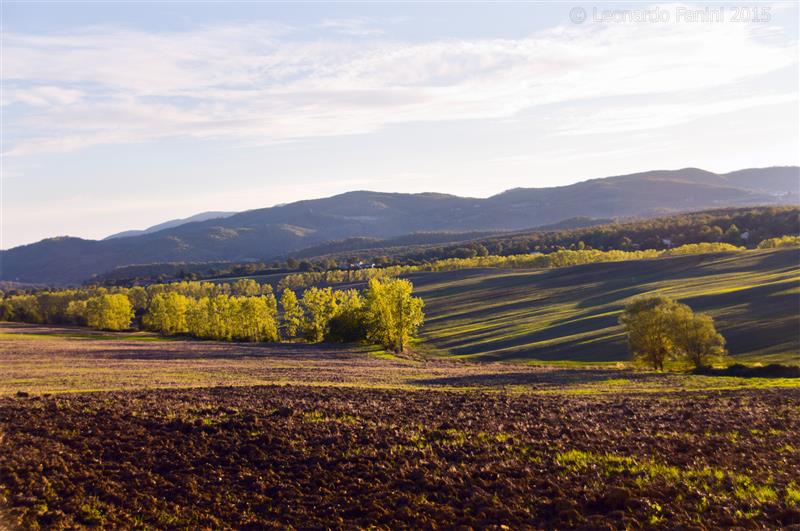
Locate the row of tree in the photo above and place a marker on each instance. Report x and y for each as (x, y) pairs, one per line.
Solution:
(661, 330)
(386, 313)
(781, 242)
(746, 226)
(562, 258)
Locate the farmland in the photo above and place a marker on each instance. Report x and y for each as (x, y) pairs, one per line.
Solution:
(570, 314)
(39, 359)
(516, 408)
(179, 433)
(304, 456)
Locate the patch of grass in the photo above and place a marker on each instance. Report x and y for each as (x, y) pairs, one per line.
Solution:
(314, 416)
(710, 480)
(792, 495)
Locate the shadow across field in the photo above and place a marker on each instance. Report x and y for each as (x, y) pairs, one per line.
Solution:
(572, 313)
(556, 378)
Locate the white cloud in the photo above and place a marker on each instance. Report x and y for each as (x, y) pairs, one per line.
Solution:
(249, 84)
(354, 27)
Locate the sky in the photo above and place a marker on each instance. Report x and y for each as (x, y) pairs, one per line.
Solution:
(118, 116)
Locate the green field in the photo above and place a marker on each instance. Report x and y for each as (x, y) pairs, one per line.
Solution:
(570, 314)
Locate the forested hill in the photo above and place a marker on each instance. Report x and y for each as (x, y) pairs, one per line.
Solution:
(266, 233)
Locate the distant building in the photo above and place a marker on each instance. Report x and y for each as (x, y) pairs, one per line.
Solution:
(667, 242)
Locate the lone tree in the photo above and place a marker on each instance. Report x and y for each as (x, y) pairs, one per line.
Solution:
(660, 329)
(647, 322)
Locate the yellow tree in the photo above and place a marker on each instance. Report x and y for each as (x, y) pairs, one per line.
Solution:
(109, 312)
(392, 313)
(167, 314)
(254, 319)
(246, 287)
(220, 317)
(292, 313)
(197, 312)
(320, 305)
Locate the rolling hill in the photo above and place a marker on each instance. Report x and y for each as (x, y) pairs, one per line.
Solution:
(570, 314)
(267, 233)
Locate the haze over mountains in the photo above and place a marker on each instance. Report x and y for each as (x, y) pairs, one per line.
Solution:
(263, 234)
(203, 216)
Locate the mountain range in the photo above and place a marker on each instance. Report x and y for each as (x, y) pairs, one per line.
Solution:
(203, 216)
(267, 233)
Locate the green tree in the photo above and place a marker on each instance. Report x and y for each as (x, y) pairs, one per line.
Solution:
(695, 338)
(647, 321)
(76, 312)
(660, 329)
(109, 312)
(24, 308)
(392, 313)
(138, 298)
(53, 305)
(292, 313)
(167, 314)
(348, 324)
(246, 287)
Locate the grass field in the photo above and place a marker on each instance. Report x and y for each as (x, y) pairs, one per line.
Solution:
(570, 314)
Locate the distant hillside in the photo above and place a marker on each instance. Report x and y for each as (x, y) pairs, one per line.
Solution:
(745, 226)
(263, 234)
(570, 314)
(203, 216)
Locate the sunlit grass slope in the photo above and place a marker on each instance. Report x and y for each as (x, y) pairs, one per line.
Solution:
(571, 313)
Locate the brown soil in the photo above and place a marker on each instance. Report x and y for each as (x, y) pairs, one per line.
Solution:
(312, 457)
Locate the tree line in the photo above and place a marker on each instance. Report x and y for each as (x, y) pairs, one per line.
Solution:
(747, 226)
(781, 242)
(385, 312)
(562, 258)
(744, 226)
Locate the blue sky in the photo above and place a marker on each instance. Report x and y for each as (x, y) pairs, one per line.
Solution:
(123, 115)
